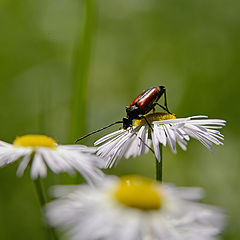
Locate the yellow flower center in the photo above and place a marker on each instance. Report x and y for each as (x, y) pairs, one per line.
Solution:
(153, 117)
(35, 141)
(139, 192)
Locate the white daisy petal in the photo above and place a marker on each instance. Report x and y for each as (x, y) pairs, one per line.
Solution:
(111, 144)
(9, 155)
(156, 146)
(182, 133)
(107, 137)
(38, 168)
(118, 148)
(111, 211)
(4, 144)
(52, 162)
(133, 148)
(181, 142)
(198, 137)
(141, 139)
(123, 150)
(217, 122)
(171, 136)
(171, 121)
(160, 134)
(23, 164)
(147, 142)
(45, 152)
(79, 148)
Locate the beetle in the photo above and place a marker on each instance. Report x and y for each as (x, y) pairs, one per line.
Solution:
(143, 104)
(140, 106)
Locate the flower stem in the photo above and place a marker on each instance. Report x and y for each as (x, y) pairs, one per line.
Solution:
(43, 200)
(40, 192)
(159, 166)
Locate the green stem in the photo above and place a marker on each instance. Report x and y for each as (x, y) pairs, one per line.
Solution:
(80, 72)
(43, 200)
(159, 166)
(40, 192)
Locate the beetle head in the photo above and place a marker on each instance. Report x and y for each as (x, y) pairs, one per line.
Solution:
(126, 122)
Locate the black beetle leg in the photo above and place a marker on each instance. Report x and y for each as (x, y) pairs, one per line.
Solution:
(147, 122)
(165, 101)
(146, 145)
(164, 108)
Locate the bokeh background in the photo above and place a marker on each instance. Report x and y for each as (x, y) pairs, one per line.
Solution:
(70, 66)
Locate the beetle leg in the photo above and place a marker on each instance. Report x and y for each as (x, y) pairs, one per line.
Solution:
(147, 122)
(145, 144)
(142, 140)
(165, 101)
(164, 108)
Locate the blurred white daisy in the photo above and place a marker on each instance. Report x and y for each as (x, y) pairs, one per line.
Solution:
(165, 128)
(41, 151)
(134, 208)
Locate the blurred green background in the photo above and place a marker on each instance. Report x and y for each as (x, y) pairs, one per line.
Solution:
(191, 47)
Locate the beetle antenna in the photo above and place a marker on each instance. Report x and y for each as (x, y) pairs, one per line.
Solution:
(98, 130)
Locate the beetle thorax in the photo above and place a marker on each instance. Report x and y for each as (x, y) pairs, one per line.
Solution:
(132, 112)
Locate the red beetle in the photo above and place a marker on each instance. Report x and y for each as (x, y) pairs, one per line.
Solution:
(140, 106)
(143, 104)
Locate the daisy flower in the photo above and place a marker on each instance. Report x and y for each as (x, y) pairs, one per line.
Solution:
(165, 128)
(41, 151)
(133, 208)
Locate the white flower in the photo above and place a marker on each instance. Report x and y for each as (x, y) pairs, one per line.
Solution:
(41, 151)
(134, 208)
(165, 128)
